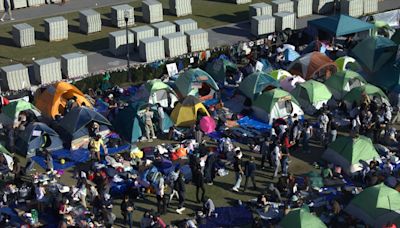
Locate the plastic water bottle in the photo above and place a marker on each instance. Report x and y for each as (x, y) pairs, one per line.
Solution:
(35, 216)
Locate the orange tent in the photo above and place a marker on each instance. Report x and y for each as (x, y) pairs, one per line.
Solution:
(52, 101)
(313, 65)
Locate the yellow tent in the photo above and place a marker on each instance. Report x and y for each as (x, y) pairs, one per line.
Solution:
(185, 113)
(52, 101)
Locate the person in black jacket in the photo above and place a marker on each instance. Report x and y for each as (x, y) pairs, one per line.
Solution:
(180, 187)
(249, 172)
(199, 183)
(127, 207)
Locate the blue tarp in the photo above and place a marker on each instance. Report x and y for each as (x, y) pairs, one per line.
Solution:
(290, 55)
(72, 158)
(229, 217)
(252, 123)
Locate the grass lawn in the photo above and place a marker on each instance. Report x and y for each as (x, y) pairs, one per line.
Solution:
(220, 192)
(206, 12)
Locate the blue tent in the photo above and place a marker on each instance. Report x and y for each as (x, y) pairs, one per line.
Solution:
(290, 55)
(340, 25)
(267, 66)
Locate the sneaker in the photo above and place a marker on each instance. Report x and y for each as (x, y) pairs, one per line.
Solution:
(1, 19)
(12, 19)
(210, 183)
(180, 210)
(235, 189)
(154, 137)
(150, 140)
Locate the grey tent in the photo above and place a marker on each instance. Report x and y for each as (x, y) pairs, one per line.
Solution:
(75, 123)
(37, 135)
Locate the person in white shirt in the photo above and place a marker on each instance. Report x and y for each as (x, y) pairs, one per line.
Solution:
(276, 157)
(161, 116)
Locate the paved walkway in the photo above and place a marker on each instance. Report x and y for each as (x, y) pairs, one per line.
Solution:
(56, 9)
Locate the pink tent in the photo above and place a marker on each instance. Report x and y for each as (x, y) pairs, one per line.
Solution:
(290, 82)
(207, 124)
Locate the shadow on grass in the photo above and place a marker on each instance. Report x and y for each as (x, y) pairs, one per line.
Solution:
(224, 1)
(7, 41)
(94, 45)
(74, 28)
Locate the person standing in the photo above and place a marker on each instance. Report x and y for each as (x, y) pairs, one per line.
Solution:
(94, 147)
(276, 157)
(127, 207)
(172, 178)
(148, 115)
(180, 187)
(237, 166)
(199, 183)
(264, 149)
(307, 134)
(250, 169)
(323, 121)
(161, 117)
(7, 10)
(198, 135)
(161, 200)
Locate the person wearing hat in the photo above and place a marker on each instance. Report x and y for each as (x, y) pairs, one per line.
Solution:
(112, 106)
(238, 167)
(94, 147)
(249, 171)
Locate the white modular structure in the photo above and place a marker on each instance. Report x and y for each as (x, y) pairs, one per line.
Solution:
(18, 4)
(184, 25)
(175, 44)
(36, 2)
(180, 8)
(354, 8)
(197, 40)
(285, 20)
(142, 32)
(47, 70)
(151, 49)
(259, 9)
(282, 6)
(118, 15)
(303, 8)
(152, 11)
(117, 42)
(15, 77)
(370, 6)
(241, 1)
(163, 28)
(56, 28)
(323, 6)
(23, 35)
(74, 65)
(261, 25)
(89, 21)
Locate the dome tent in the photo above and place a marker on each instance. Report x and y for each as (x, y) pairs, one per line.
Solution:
(185, 113)
(280, 74)
(9, 113)
(156, 92)
(312, 66)
(254, 84)
(311, 95)
(348, 152)
(52, 101)
(373, 53)
(356, 95)
(346, 62)
(192, 81)
(75, 126)
(274, 104)
(218, 68)
(343, 81)
(301, 218)
(35, 136)
(376, 205)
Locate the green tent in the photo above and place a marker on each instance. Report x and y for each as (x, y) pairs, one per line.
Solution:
(274, 104)
(387, 78)
(340, 25)
(218, 68)
(301, 218)
(374, 52)
(342, 82)
(348, 152)
(191, 80)
(376, 205)
(316, 180)
(156, 92)
(254, 84)
(356, 94)
(311, 95)
(11, 111)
